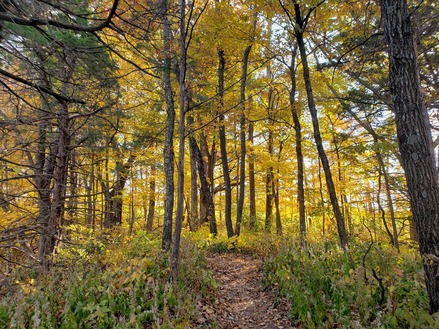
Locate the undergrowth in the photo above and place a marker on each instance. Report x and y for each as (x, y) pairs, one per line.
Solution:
(115, 281)
(371, 287)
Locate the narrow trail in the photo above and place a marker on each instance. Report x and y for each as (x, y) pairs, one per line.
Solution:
(240, 303)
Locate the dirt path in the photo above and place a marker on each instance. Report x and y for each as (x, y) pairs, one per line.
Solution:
(240, 304)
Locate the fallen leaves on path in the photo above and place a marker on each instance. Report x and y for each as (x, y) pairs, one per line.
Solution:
(239, 302)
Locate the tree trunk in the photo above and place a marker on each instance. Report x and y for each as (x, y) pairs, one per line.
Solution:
(380, 207)
(113, 196)
(194, 221)
(251, 178)
(299, 154)
(89, 220)
(414, 139)
(394, 235)
(72, 201)
(151, 199)
(317, 136)
(53, 222)
(223, 147)
(275, 189)
(175, 255)
(168, 162)
(205, 187)
(209, 160)
(240, 202)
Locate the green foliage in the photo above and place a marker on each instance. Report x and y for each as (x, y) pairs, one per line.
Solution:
(120, 283)
(328, 288)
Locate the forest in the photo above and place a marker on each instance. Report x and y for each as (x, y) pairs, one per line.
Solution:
(219, 164)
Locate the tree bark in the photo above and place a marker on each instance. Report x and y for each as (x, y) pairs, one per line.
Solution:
(251, 178)
(194, 221)
(168, 162)
(240, 202)
(223, 146)
(52, 223)
(175, 255)
(299, 154)
(414, 138)
(205, 187)
(113, 195)
(151, 199)
(299, 30)
(394, 235)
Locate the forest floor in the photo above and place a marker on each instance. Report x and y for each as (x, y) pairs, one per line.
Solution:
(240, 302)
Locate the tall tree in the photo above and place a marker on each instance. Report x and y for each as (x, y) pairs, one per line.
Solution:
(223, 146)
(168, 151)
(301, 22)
(175, 255)
(299, 153)
(414, 138)
(242, 120)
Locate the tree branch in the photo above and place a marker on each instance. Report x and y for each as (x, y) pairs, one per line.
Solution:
(45, 22)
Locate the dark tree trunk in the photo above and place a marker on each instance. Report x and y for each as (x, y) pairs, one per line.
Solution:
(394, 235)
(414, 139)
(52, 223)
(240, 202)
(380, 207)
(73, 189)
(317, 136)
(205, 187)
(209, 160)
(251, 178)
(151, 199)
(299, 154)
(223, 146)
(194, 221)
(175, 255)
(168, 162)
(269, 186)
(53, 220)
(113, 196)
(89, 183)
(275, 188)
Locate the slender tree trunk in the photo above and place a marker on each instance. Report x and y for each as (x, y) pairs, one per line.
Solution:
(205, 187)
(275, 188)
(90, 193)
(414, 139)
(299, 154)
(380, 207)
(72, 201)
(251, 178)
(151, 199)
(317, 136)
(194, 221)
(175, 255)
(209, 160)
(240, 203)
(168, 162)
(269, 188)
(394, 235)
(223, 147)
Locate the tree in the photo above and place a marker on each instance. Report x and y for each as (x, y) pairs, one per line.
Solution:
(181, 139)
(168, 151)
(223, 146)
(300, 22)
(414, 138)
(299, 154)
